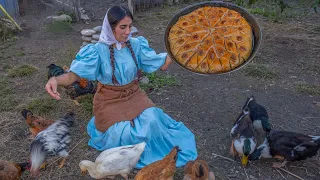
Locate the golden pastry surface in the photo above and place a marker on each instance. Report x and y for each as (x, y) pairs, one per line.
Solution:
(211, 40)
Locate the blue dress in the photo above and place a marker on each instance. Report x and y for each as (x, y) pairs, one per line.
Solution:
(156, 128)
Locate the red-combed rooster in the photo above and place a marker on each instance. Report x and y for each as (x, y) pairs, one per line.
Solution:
(35, 123)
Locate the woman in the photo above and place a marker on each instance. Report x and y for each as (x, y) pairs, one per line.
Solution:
(123, 114)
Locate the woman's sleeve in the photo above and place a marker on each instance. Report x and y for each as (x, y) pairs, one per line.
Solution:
(87, 63)
(149, 59)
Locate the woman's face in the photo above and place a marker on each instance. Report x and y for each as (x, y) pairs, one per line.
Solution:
(123, 29)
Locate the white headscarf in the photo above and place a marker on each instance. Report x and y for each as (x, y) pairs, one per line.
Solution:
(107, 35)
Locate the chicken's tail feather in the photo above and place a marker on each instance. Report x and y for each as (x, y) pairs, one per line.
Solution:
(69, 118)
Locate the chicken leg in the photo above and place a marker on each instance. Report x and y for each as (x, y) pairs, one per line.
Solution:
(125, 176)
(62, 163)
(43, 165)
(76, 102)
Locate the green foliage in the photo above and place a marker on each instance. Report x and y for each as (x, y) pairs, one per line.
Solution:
(71, 14)
(59, 27)
(157, 81)
(21, 71)
(264, 12)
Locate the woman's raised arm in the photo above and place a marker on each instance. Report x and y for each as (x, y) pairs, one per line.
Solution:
(63, 80)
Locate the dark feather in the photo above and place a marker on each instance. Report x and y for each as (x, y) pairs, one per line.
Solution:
(242, 127)
(74, 90)
(54, 71)
(201, 171)
(293, 146)
(257, 111)
(25, 113)
(55, 138)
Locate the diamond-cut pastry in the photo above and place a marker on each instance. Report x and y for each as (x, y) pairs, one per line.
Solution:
(211, 40)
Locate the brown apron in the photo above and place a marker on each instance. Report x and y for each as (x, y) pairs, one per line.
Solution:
(113, 104)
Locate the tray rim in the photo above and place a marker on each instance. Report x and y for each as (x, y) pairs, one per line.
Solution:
(256, 31)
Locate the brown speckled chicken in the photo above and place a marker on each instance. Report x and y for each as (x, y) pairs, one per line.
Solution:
(35, 123)
(161, 170)
(11, 170)
(197, 170)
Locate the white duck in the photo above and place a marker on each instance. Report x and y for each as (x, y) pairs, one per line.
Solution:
(111, 162)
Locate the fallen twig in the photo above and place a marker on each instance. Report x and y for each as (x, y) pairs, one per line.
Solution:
(310, 117)
(226, 158)
(308, 174)
(281, 174)
(68, 152)
(291, 173)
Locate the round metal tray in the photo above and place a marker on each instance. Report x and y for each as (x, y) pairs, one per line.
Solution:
(256, 31)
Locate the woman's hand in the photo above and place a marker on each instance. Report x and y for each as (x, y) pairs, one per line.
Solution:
(62, 80)
(167, 63)
(51, 88)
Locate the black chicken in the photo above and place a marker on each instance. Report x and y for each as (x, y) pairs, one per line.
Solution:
(55, 71)
(52, 141)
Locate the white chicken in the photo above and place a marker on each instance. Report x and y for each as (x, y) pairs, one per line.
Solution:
(52, 141)
(115, 161)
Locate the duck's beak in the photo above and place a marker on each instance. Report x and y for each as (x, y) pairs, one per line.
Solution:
(244, 160)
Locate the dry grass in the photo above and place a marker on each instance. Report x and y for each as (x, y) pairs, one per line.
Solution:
(308, 89)
(260, 71)
(21, 71)
(7, 100)
(42, 106)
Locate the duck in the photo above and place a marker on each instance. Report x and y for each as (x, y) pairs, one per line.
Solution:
(287, 146)
(258, 115)
(115, 161)
(243, 143)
